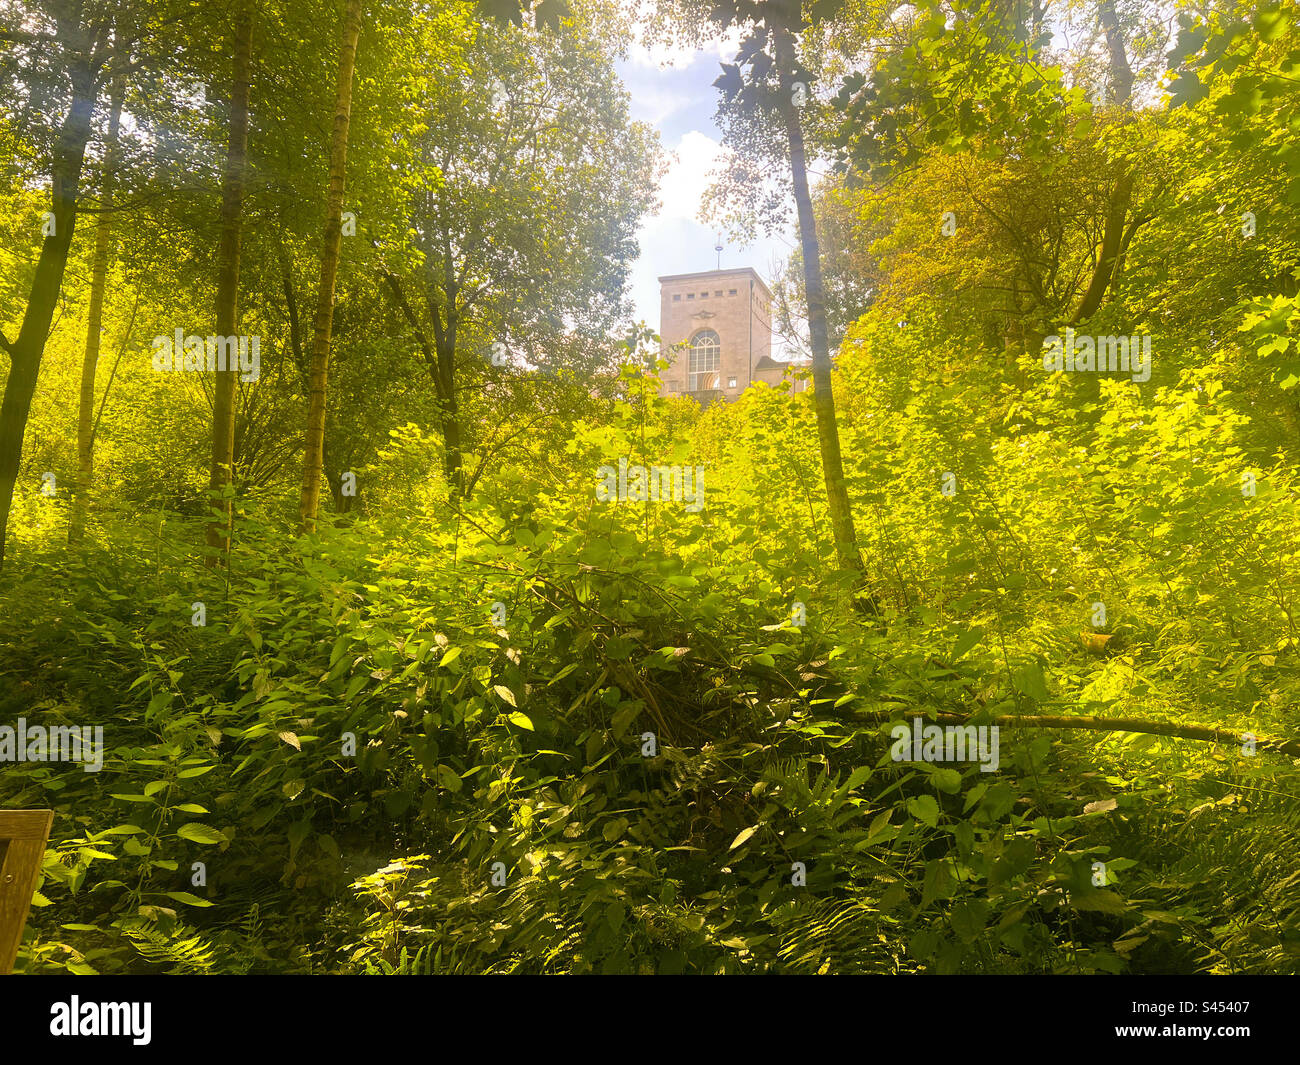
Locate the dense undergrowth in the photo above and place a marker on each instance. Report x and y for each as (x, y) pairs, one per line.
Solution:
(539, 733)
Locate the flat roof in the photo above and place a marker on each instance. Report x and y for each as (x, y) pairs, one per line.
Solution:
(741, 271)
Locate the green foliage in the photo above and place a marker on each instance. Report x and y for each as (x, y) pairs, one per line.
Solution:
(522, 744)
(978, 84)
(522, 729)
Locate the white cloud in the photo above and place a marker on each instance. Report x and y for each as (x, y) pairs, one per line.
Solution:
(657, 54)
(689, 176)
(673, 240)
(654, 101)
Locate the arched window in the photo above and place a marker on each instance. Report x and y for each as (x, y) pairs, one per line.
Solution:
(706, 350)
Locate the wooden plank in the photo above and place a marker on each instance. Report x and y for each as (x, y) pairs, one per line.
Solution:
(23, 834)
(26, 824)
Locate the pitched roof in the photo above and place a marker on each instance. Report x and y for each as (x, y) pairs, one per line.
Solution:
(769, 363)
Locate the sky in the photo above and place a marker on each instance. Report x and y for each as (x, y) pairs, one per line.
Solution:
(672, 90)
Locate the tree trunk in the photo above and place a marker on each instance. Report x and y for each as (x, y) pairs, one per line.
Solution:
(309, 501)
(26, 351)
(227, 313)
(445, 328)
(448, 411)
(94, 318)
(440, 360)
(1113, 244)
(846, 541)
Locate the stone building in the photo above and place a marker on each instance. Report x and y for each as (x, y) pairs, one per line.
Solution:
(725, 318)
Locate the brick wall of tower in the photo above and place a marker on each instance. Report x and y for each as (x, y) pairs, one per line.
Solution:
(690, 303)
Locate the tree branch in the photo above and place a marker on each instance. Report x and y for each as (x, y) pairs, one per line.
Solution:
(19, 37)
(126, 340)
(408, 312)
(1103, 724)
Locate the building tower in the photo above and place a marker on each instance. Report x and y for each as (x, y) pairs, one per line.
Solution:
(725, 318)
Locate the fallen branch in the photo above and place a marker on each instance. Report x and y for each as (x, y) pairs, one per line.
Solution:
(1104, 724)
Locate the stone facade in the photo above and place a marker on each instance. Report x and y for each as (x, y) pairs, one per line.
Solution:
(726, 318)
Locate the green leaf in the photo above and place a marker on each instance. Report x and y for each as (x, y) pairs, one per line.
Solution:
(1186, 89)
(858, 776)
(624, 716)
(1271, 24)
(966, 640)
(197, 771)
(925, 809)
(880, 826)
(563, 673)
(742, 836)
(1030, 680)
(1098, 900)
(968, 918)
(939, 881)
(197, 832)
(945, 780)
(187, 898)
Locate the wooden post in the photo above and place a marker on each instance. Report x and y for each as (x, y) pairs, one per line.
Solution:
(22, 846)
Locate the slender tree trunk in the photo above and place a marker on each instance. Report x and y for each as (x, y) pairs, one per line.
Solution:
(449, 413)
(1113, 244)
(227, 311)
(846, 540)
(445, 328)
(309, 501)
(440, 360)
(94, 318)
(453, 458)
(26, 351)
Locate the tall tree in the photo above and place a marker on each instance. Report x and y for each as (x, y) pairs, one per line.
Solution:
(309, 501)
(828, 435)
(765, 91)
(94, 317)
(530, 179)
(80, 45)
(227, 315)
